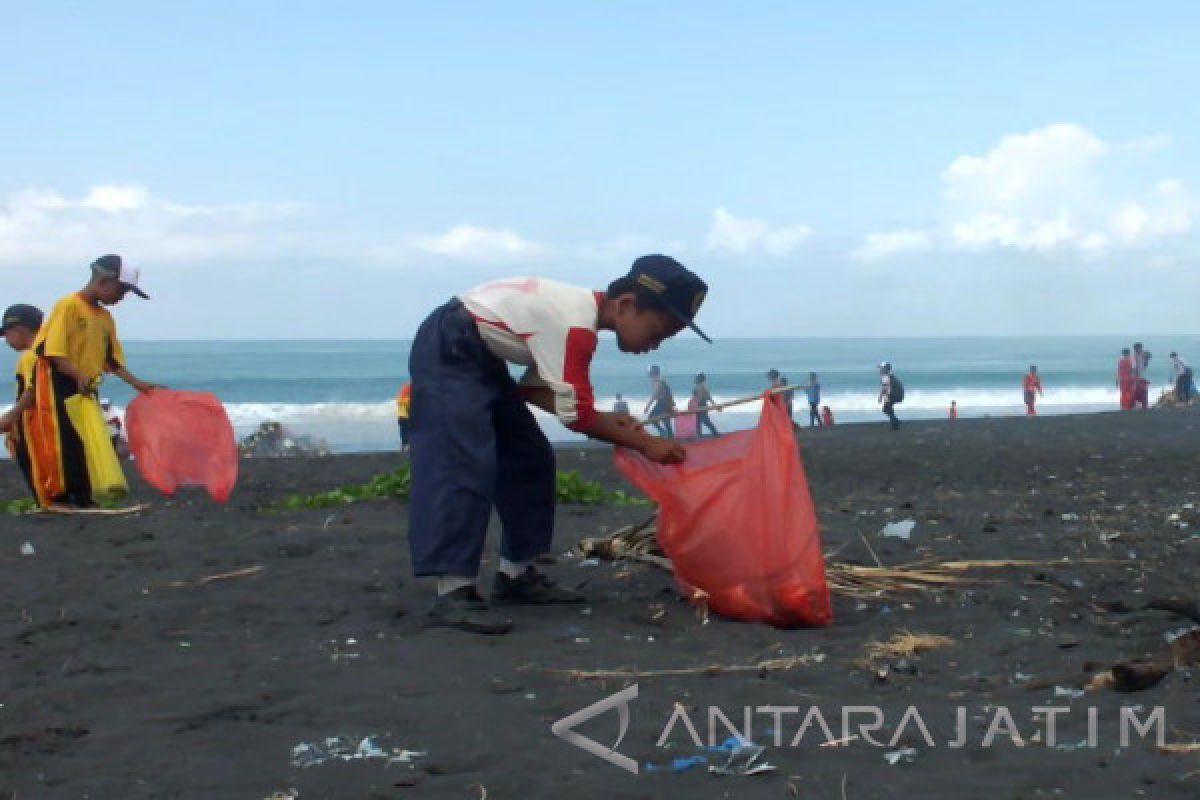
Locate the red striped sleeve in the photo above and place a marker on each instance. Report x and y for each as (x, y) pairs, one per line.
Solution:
(577, 366)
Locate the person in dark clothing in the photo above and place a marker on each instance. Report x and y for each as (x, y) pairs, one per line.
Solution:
(889, 394)
(703, 398)
(661, 402)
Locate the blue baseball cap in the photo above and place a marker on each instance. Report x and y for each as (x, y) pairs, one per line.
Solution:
(673, 286)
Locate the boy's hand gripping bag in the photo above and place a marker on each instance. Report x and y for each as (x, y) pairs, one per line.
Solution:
(738, 523)
(103, 467)
(183, 439)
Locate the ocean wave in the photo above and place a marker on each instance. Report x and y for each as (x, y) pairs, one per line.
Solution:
(244, 415)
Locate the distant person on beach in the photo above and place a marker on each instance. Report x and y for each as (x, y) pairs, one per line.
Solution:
(1125, 379)
(778, 381)
(477, 446)
(1182, 375)
(661, 403)
(703, 398)
(1032, 386)
(826, 417)
(621, 407)
(404, 415)
(77, 345)
(891, 392)
(20, 328)
(1141, 376)
(953, 410)
(813, 392)
(116, 428)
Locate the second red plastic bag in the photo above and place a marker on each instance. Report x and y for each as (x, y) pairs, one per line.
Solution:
(738, 523)
(183, 439)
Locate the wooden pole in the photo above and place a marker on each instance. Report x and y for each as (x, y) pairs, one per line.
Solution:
(716, 406)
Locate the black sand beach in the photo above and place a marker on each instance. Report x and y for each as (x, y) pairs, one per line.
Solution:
(119, 685)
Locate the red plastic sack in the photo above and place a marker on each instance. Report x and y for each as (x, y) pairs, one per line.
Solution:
(738, 522)
(183, 439)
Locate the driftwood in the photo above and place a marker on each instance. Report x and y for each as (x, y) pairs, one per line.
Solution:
(95, 512)
(761, 667)
(245, 572)
(1134, 675)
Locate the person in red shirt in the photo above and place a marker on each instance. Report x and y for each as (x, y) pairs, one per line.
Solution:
(953, 409)
(826, 417)
(1126, 381)
(1033, 388)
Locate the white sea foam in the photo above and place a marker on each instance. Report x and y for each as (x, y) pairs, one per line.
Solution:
(365, 426)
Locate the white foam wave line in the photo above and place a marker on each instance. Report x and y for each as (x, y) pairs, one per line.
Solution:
(250, 414)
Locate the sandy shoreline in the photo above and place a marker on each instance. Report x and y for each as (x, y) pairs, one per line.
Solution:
(121, 686)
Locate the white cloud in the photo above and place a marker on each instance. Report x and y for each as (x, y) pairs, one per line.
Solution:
(741, 236)
(1060, 188)
(48, 228)
(883, 245)
(115, 199)
(470, 241)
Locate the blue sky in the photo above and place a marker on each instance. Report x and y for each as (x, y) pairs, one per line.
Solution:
(870, 169)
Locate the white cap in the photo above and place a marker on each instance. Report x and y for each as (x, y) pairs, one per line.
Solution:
(113, 266)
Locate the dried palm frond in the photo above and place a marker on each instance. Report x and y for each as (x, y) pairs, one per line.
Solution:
(906, 644)
(639, 543)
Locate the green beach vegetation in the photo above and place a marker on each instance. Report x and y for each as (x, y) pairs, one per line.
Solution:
(570, 487)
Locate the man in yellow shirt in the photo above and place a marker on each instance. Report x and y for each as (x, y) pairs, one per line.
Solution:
(19, 327)
(76, 346)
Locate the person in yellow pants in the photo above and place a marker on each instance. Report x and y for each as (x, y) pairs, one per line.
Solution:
(19, 327)
(78, 344)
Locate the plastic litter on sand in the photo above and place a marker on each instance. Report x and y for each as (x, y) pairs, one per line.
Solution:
(905, 755)
(899, 530)
(343, 748)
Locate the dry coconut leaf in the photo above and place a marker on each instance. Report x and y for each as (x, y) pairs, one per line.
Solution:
(906, 644)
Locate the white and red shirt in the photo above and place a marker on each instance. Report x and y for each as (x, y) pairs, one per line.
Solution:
(550, 328)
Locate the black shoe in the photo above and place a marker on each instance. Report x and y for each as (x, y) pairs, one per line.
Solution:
(531, 588)
(466, 610)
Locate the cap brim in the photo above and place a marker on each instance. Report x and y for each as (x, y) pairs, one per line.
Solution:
(136, 291)
(685, 320)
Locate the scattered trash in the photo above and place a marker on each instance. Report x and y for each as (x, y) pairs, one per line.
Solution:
(343, 748)
(27, 549)
(1068, 747)
(905, 755)
(899, 530)
(590, 562)
(678, 765)
(1063, 691)
(743, 759)
(1070, 516)
(840, 742)
(288, 794)
(1171, 636)
(272, 440)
